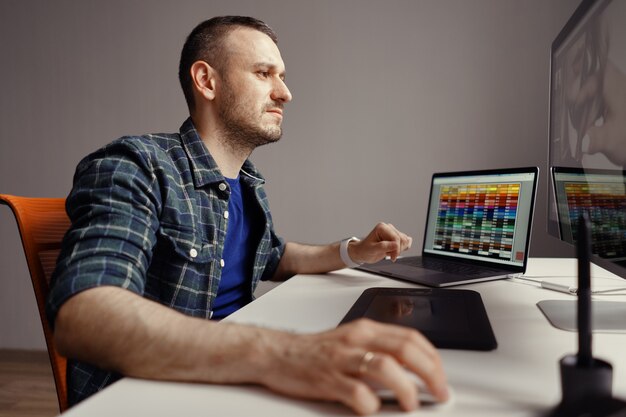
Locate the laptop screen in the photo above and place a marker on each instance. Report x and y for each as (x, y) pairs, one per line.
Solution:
(602, 193)
(482, 215)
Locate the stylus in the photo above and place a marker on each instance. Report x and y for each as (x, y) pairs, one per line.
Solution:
(583, 249)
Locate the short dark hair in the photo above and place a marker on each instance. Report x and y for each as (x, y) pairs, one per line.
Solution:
(205, 43)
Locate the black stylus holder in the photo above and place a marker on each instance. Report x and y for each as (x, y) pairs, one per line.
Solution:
(585, 386)
(586, 382)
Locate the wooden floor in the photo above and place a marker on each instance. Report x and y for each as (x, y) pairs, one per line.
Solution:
(26, 385)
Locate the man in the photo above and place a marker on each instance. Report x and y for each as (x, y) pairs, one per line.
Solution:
(179, 223)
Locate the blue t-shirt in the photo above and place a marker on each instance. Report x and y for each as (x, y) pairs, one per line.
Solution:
(234, 289)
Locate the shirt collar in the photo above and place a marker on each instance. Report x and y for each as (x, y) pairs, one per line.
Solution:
(205, 169)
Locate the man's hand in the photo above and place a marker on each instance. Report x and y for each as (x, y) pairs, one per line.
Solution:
(334, 365)
(384, 240)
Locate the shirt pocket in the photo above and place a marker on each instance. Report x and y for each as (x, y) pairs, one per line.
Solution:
(186, 243)
(181, 274)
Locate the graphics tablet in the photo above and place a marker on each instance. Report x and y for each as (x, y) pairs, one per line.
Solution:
(450, 319)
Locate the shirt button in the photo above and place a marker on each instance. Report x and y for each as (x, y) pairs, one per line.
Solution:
(193, 253)
(222, 263)
(226, 214)
(222, 187)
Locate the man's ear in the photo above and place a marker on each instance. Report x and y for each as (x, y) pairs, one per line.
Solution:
(203, 78)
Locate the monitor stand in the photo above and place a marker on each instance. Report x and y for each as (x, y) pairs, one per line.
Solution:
(607, 316)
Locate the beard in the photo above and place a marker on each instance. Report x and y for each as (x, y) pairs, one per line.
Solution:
(241, 127)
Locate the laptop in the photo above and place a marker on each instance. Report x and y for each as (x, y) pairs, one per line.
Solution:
(477, 229)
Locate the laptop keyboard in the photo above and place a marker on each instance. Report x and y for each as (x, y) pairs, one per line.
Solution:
(447, 266)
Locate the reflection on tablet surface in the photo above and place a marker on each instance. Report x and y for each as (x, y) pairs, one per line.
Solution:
(425, 314)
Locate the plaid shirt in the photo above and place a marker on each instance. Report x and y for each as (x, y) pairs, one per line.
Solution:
(149, 214)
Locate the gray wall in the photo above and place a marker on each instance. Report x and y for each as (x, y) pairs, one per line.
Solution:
(385, 93)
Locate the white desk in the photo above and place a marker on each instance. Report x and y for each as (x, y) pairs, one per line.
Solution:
(519, 378)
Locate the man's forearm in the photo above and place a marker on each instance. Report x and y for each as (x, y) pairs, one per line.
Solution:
(308, 259)
(384, 240)
(117, 330)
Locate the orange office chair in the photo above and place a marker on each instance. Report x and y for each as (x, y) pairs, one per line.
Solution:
(42, 223)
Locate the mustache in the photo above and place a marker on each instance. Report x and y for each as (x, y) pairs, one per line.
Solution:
(275, 105)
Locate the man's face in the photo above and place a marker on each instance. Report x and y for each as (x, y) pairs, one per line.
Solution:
(252, 92)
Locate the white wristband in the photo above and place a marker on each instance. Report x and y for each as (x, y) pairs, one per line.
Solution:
(343, 252)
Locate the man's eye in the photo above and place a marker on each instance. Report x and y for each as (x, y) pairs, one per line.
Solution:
(264, 74)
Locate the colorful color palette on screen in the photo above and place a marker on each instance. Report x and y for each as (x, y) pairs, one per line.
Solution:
(606, 205)
(477, 219)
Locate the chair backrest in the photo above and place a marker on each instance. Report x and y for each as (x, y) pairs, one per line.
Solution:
(42, 223)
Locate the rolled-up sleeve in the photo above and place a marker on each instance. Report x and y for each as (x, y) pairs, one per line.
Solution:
(113, 208)
(272, 246)
(276, 253)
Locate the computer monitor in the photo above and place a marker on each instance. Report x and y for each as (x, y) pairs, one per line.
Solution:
(587, 147)
(587, 137)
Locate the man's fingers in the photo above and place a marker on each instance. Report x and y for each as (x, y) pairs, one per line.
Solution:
(360, 397)
(387, 373)
(394, 377)
(354, 393)
(408, 347)
(405, 240)
(417, 354)
(343, 363)
(345, 383)
(385, 248)
(386, 240)
(327, 367)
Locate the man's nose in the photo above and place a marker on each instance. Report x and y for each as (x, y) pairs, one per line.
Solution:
(281, 92)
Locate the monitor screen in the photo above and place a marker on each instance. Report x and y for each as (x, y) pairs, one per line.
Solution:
(587, 132)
